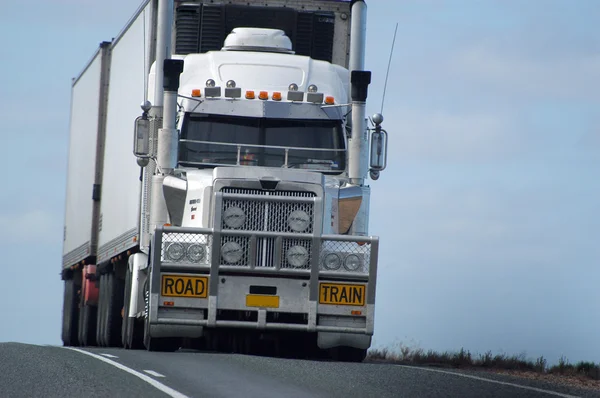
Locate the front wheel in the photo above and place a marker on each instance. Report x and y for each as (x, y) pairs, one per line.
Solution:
(348, 354)
(163, 344)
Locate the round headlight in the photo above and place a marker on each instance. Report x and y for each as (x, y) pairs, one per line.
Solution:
(298, 220)
(196, 253)
(175, 251)
(352, 262)
(332, 262)
(234, 217)
(297, 256)
(232, 252)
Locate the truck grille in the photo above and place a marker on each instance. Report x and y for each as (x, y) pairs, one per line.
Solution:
(266, 216)
(269, 216)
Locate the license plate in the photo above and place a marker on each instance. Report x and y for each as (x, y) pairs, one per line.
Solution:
(259, 300)
(341, 294)
(184, 286)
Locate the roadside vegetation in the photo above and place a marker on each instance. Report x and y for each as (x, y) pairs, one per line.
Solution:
(581, 373)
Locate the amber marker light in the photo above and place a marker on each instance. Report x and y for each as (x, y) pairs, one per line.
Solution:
(276, 96)
(263, 95)
(196, 92)
(329, 100)
(250, 95)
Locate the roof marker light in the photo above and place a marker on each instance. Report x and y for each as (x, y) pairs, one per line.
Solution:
(276, 96)
(250, 94)
(329, 100)
(196, 92)
(263, 95)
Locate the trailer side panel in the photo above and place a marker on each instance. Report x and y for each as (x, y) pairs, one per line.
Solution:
(121, 181)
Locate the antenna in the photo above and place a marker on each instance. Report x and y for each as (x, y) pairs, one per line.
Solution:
(146, 71)
(388, 68)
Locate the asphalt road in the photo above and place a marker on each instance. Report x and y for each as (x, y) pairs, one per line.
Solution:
(47, 371)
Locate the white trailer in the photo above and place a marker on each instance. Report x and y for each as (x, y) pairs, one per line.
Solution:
(244, 219)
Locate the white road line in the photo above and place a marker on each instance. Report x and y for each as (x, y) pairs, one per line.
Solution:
(109, 356)
(558, 394)
(153, 373)
(156, 384)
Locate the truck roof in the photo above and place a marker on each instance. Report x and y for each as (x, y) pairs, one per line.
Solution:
(262, 71)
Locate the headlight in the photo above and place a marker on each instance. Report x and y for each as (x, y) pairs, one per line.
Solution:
(332, 262)
(234, 217)
(232, 252)
(196, 253)
(297, 256)
(298, 220)
(175, 251)
(352, 262)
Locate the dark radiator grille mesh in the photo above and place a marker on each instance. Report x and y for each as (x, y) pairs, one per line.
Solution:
(202, 28)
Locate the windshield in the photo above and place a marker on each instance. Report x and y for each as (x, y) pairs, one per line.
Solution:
(226, 140)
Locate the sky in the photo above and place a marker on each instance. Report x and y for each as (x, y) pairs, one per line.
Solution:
(488, 212)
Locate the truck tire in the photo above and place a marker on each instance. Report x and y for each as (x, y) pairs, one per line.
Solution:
(131, 331)
(70, 313)
(154, 343)
(163, 344)
(101, 316)
(348, 354)
(114, 305)
(89, 315)
(87, 325)
(125, 326)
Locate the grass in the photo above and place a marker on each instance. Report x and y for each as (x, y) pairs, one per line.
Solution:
(404, 354)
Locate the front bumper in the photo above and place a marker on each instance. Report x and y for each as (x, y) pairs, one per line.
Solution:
(304, 295)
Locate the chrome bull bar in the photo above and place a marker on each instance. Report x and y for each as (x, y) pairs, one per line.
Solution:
(213, 266)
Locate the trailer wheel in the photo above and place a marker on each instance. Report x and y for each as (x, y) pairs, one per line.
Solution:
(114, 304)
(131, 330)
(125, 326)
(101, 311)
(70, 313)
(87, 325)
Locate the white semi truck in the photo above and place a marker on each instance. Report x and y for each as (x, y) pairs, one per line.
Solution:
(240, 220)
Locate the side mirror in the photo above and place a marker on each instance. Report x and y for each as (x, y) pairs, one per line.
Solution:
(141, 142)
(379, 140)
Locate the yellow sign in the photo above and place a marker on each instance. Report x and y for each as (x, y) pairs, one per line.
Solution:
(262, 300)
(341, 294)
(184, 286)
